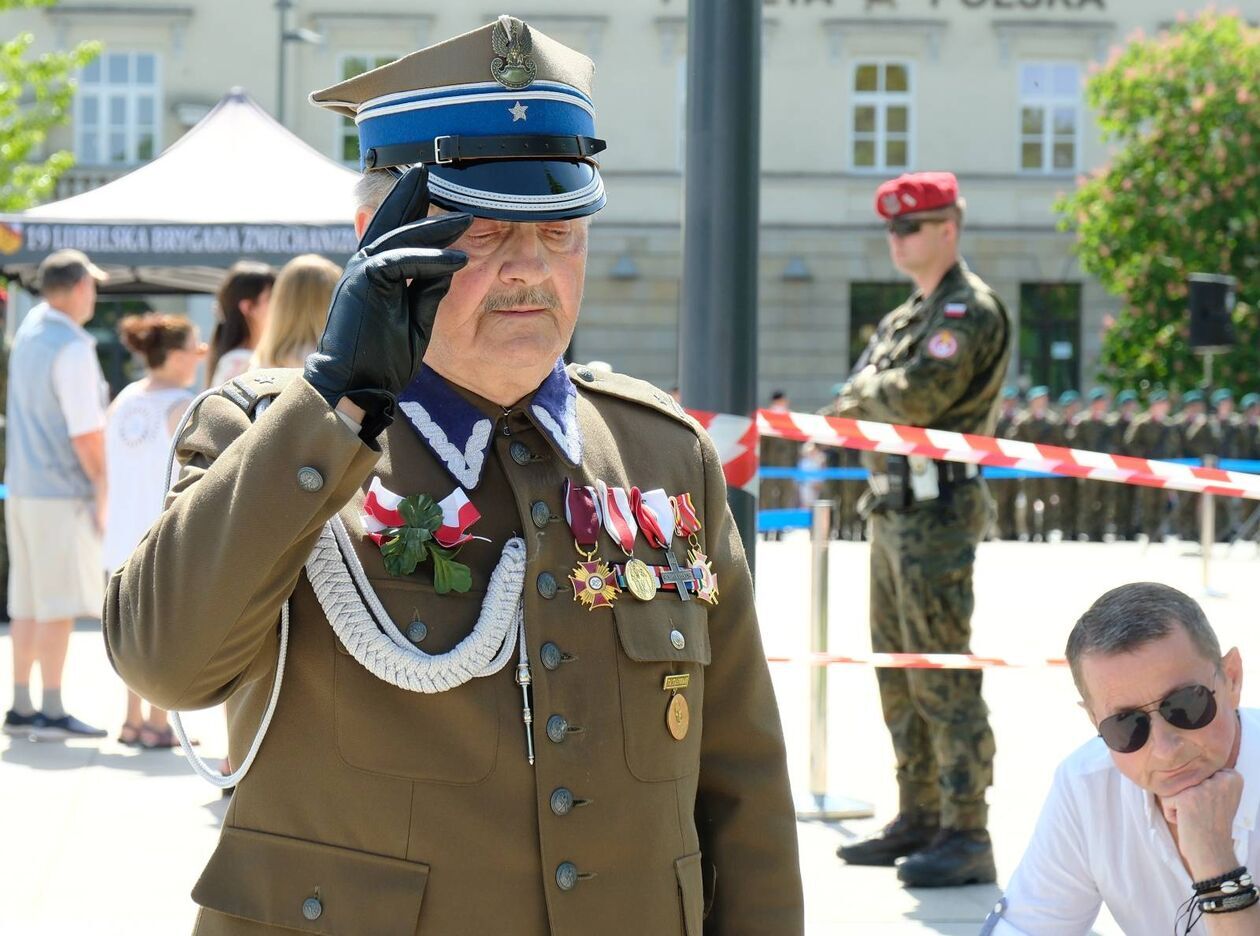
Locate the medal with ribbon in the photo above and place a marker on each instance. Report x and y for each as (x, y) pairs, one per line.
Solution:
(688, 524)
(623, 526)
(593, 582)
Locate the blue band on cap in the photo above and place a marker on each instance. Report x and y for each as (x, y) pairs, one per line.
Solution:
(478, 112)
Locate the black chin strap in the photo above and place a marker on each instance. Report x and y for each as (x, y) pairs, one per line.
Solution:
(447, 150)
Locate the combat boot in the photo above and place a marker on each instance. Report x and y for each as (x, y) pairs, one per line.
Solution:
(954, 858)
(903, 836)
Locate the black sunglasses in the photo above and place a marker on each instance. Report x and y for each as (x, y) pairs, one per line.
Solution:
(905, 227)
(1188, 708)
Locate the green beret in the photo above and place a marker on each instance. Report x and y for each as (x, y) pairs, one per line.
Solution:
(1009, 393)
(837, 389)
(1067, 397)
(1158, 396)
(1222, 394)
(1250, 400)
(1191, 396)
(1098, 393)
(1037, 393)
(1126, 396)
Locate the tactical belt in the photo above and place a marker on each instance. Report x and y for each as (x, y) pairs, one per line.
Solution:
(893, 490)
(445, 150)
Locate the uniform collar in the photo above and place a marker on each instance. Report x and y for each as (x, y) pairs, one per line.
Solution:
(457, 426)
(948, 281)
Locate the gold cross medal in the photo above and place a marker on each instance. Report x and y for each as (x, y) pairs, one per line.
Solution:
(594, 585)
(678, 714)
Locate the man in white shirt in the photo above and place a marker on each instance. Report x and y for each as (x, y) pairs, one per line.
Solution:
(55, 479)
(1157, 816)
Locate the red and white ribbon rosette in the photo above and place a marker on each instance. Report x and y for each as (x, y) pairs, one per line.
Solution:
(381, 514)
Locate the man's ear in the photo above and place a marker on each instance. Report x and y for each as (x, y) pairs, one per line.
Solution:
(1232, 667)
(1088, 714)
(362, 217)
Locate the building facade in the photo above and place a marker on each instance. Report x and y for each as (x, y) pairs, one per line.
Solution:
(853, 91)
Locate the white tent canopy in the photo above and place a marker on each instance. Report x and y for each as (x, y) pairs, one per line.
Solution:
(236, 186)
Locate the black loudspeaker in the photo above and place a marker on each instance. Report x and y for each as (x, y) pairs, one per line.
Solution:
(1212, 301)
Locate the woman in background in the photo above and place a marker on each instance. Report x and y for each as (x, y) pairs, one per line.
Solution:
(139, 426)
(241, 313)
(298, 311)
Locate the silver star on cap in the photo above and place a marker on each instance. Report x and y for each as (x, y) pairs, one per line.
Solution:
(518, 112)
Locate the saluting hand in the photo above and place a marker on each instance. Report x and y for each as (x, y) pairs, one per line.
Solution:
(1204, 819)
(383, 308)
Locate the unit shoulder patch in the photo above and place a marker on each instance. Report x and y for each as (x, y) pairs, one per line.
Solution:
(943, 345)
(628, 388)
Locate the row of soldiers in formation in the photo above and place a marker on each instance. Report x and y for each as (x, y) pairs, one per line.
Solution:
(1209, 428)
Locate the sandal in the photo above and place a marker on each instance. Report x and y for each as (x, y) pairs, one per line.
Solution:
(152, 738)
(129, 734)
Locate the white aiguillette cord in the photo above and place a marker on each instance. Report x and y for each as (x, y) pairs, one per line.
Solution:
(368, 633)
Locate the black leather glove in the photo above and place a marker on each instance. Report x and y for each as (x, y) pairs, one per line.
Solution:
(378, 325)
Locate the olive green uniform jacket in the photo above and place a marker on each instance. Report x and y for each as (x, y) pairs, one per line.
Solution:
(387, 812)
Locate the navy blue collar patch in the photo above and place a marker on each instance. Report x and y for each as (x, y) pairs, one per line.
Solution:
(459, 434)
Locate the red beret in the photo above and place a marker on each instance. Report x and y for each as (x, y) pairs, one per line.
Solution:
(916, 191)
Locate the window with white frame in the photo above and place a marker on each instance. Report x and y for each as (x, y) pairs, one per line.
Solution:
(117, 108)
(352, 64)
(1049, 117)
(881, 120)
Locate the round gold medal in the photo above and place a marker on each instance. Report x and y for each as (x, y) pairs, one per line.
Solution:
(678, 716)
(639, 579)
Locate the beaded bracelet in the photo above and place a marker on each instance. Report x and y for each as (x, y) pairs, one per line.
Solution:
(1230, 903)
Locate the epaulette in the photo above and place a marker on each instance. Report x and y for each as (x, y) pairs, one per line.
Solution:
(629, 388)
(251, 387)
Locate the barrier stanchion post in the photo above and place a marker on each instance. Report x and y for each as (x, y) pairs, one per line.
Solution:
(820, 804)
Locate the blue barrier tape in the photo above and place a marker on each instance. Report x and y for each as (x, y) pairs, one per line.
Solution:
(769, 521)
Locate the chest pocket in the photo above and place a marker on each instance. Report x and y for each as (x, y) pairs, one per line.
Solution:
(650, 634)
(447, 737)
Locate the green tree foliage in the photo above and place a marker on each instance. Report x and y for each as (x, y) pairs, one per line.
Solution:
(35, 95)
(1180, 195)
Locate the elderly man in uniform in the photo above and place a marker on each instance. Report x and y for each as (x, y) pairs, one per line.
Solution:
(936, 361)
(434, 499)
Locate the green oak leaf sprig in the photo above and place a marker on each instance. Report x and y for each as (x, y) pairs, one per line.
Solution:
(405, 547)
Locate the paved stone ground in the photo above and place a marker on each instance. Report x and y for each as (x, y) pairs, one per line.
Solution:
(107, 840)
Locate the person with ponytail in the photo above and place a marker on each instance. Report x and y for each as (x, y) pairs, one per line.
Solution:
(241, 308)
(138, 430)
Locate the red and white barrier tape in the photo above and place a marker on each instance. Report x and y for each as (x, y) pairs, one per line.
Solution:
(736, 438)
(957, 661)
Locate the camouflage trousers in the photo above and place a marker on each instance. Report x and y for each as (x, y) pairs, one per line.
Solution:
(921, 602)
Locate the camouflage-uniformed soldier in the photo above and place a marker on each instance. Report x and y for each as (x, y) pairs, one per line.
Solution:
(778, 493)
(1123, 513)
(938, 360)
(1006, 490)
(1187, 424)
(1040, 425)
(529, 735)
(1092, 430)
(1151, 435)
(1067, 490)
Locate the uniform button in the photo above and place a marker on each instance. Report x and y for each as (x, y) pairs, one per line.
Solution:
(561, 802)
(547, 585)
(312, 909)
(540, 513)
(310, 480)
(520, 453)
(551, 656)
(557, 728)
(567, 876)
(586, 374)
(677, 639)
(417, 631)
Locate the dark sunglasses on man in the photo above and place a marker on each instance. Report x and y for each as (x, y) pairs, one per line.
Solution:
(906, 227)
(1188, 708)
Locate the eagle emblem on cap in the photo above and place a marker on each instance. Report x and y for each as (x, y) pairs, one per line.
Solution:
(512, 66)
(891, 203)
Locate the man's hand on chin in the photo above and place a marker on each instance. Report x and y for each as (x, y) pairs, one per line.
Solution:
(1204, 819)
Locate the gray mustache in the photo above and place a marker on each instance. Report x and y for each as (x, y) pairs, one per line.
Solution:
(534, 297)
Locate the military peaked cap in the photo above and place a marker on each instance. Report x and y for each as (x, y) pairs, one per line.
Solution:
(502, 116)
